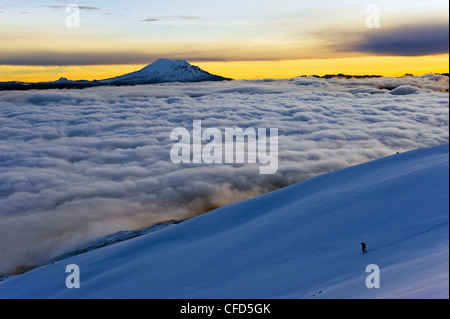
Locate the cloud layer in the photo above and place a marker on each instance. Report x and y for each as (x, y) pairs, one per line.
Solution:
(78, 164)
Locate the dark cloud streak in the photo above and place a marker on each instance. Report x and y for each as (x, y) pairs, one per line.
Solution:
(415, 40)
(169, 18)
(80, 7)
(49, 58)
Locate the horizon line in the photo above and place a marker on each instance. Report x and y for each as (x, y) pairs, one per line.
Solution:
(382, 66)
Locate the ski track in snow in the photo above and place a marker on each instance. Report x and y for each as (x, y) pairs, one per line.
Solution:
(412, 236)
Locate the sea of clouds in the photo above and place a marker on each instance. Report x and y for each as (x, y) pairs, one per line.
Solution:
(79, 164)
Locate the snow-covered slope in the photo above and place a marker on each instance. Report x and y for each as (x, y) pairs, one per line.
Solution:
(165, 70)
(114, 239)
(301, 241)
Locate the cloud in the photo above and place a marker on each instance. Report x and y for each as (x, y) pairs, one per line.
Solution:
(50, 58)
(412, 40)
(170, 18)
(78, 164)
(80, 7)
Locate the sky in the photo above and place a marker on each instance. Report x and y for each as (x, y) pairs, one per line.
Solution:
(245, 39)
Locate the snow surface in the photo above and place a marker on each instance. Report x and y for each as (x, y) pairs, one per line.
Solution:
(302, 241)
(164, 70)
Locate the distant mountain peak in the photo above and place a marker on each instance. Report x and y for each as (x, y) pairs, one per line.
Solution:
(166, 65)
(165, 70)
(164, 61)
(62, 80)
(160, 71)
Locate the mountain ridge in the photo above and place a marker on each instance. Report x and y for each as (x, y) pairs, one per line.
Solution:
(160, 71)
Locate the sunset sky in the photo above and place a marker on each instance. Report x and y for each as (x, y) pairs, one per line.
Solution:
(238, 39)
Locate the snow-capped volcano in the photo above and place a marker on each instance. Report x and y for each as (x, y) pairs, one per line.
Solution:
(165, 70)
(160, 71)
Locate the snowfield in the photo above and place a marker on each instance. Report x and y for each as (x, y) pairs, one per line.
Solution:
(301, 241)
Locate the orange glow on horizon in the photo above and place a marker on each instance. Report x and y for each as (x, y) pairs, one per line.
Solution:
(385, 66)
